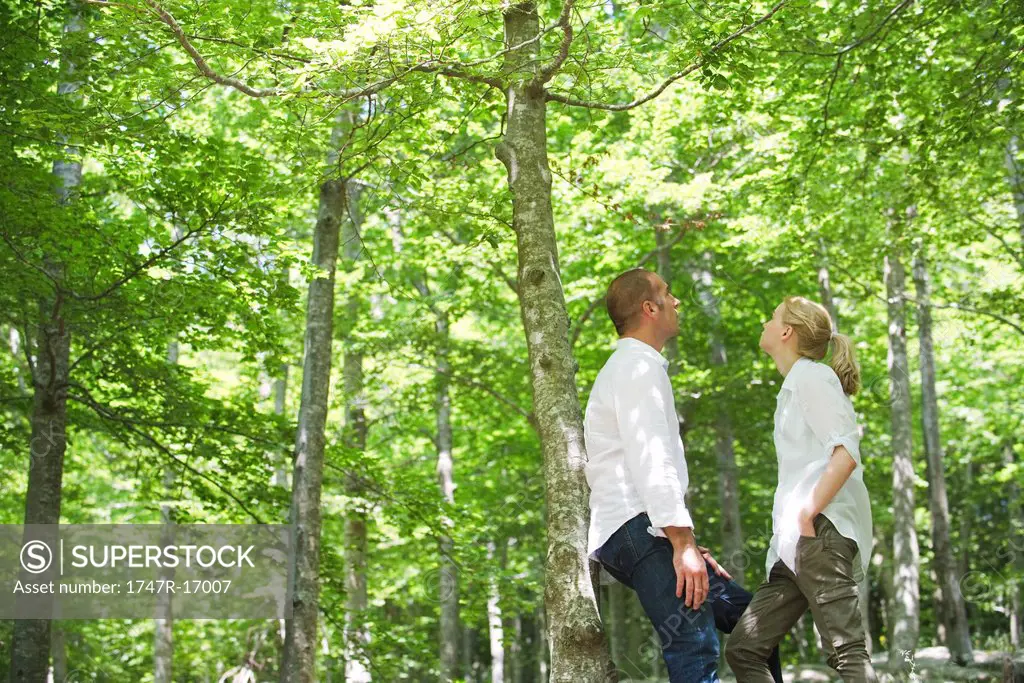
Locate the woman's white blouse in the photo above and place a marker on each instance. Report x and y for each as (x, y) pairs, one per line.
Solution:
(812, 416)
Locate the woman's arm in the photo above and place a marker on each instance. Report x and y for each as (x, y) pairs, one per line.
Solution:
(840, 466)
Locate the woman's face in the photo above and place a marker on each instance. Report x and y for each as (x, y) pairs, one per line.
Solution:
(775, 332)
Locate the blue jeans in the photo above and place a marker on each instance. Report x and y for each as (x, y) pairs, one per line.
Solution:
(689, 643)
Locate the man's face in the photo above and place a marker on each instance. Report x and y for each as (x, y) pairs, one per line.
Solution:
(667, 315)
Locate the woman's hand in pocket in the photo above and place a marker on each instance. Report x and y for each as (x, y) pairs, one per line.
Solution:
(807, 525)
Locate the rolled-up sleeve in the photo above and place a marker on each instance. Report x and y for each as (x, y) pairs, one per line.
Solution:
(653, 449)
(829, 413)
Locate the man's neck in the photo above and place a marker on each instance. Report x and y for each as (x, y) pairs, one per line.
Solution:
(647, 337)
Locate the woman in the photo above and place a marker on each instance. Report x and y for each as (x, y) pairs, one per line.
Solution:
(822, 516)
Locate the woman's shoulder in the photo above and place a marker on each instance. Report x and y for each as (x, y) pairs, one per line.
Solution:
(814, 374)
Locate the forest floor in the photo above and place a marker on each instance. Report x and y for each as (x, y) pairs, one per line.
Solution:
(928, 664)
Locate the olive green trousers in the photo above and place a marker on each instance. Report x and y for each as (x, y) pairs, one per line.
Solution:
(824, 582)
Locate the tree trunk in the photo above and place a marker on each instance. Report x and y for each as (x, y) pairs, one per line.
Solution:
(825, 285)
(906, 608)
(299, 659)
(543, 647)
(953, 611)
(280, 396)
(1016, 556)
(357, 636)
(30, 642)
(469, 662)
(579, 649)
(616, 621)
(827, 300)
(1016, 179)
(59, 654)
(495, 629)
(733, 557)
(163, 628)
(449, 584)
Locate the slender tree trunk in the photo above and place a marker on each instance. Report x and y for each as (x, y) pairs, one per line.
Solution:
(616, 621)
(828, 301)
(888, 590)
(954, 612)
(449, 584)
(543, 646)
(469, 667)
(495, 629)
(800, 632)
(1016, 178)
(163, 628)
(299, 659)
(280, 391)
(59, 654)
(1016, 552)
(635, 662)
(14, 342)
(579, 648)
(728, 480)
(825, 285)
(30, 644)
(513, 650)
(356, 636)
(906, 557)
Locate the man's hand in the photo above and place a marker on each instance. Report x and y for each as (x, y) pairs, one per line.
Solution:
(719, 569)
(691, 575)
(691, 572)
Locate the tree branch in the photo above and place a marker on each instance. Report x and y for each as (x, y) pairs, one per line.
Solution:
(869, 291)
(572, 102)
(565, 23)
(108, 414)
(578, 327)
(152, 259)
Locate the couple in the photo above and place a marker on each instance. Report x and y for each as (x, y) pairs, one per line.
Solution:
(641, 530)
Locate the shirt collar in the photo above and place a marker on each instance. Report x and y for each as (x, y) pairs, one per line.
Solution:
(632, 344)
(794, 371)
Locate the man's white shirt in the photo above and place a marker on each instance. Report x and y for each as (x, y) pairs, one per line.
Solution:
(635, 460)
(812, 416)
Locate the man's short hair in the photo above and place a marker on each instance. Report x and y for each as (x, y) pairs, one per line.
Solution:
(626, 296)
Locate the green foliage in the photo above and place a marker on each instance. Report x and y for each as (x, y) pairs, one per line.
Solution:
(800, 145)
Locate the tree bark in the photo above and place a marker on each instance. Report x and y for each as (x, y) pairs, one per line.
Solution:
(616, 621)
(280, 390)
(825, 285)
(357, 636)
(495, 629)
(1016, 179)
(1016, 554)
(543, 647)
(953, 610)
(828, 301)
(728, 485)
(449, 584)
(163, 628)
(59, 654)
(906, 557)
(299, 659)
(579, 649)
(30, 642)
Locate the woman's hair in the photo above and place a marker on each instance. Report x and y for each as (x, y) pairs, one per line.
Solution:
(813, 327)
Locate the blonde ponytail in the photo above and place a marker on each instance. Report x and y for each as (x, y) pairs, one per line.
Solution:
(844, 363)
(813, 327)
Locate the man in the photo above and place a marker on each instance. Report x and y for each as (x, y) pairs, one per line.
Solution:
(640, 528)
